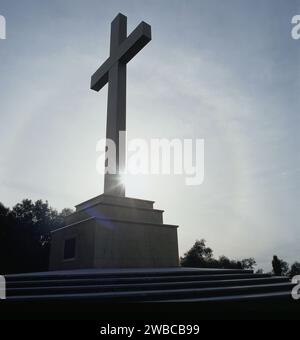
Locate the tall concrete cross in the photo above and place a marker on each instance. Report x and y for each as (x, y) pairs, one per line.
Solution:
(113, 72)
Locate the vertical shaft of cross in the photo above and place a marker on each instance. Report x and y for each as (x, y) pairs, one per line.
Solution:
(113, 72)
(116, 107)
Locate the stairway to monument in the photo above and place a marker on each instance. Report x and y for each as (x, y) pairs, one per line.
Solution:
(147, 285)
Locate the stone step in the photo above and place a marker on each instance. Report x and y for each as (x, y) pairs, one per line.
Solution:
(116, 212)
(47, 290)
(131, 280)
(121, 273)
(274, 296)
(115, 200)
(168, 294)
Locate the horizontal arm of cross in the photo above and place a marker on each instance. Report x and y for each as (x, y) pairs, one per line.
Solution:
(126, 51)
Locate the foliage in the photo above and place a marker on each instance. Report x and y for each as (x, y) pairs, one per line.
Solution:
(295, 270)
(280, 267)
(25, 235)
(201, 256)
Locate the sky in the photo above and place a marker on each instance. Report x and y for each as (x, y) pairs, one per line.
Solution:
(223, 71)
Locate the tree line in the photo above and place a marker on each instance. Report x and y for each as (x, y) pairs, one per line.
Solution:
(201, 256)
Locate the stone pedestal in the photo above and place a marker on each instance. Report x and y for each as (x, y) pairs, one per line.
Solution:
(114, 232)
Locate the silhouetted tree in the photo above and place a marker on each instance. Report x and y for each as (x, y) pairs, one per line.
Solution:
(295, 270)
(198, 256)
(226, 263)
(201, 256)
(25, 235)
(280, 267)
(249, 263)
(6, 224)
(66, 212)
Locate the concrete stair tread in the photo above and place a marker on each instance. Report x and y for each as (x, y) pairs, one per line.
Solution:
(148, 286)
(161, 294)
(145, 285)
(125, 273)
(132, 280)
(232, 298)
